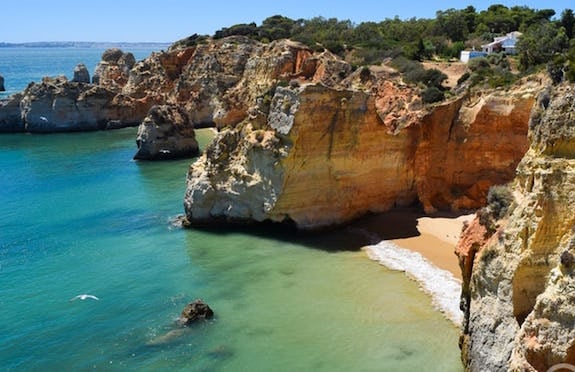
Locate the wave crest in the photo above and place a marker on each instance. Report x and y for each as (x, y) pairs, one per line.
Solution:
(441, 285)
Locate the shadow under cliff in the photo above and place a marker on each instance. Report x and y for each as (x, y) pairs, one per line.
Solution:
(400, 223)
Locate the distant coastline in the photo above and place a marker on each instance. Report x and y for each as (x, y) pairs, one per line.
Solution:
(85, 44)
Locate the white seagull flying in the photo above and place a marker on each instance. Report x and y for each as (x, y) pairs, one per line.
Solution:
(84, 296)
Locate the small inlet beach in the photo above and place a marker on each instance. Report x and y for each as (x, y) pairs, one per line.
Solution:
(422, 246)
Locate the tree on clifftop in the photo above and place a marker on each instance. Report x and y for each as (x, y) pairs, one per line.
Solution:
(540, 43)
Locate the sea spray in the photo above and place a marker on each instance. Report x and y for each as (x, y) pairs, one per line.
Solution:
(441, 285)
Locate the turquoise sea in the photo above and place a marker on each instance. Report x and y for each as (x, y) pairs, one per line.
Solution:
(80, 216)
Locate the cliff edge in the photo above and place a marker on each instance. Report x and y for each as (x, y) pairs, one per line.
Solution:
(322, 153)
(519, 280)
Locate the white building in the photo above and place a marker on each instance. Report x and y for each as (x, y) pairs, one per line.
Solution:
(505, 44)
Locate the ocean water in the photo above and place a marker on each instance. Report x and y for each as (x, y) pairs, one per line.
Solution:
(80, 216)
(21, 66)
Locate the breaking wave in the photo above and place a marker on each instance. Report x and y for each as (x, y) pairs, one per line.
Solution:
(441, 285)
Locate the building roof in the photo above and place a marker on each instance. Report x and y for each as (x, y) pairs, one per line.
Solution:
(507, 41)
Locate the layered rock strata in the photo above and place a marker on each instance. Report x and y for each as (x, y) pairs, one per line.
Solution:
(321, 156)
(519, 277)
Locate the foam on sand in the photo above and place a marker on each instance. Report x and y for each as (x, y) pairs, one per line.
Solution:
(441, 285)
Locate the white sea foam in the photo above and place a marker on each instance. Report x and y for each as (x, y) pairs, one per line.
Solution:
(441, 285)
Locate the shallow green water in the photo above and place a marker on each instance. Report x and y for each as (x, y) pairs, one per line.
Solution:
(79, 216)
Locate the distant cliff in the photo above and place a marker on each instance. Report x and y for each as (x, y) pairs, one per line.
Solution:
(519, 270)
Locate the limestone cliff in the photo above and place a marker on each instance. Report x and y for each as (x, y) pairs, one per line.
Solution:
(322, 155)
(57, 104)
(166, 133)
(519, 290)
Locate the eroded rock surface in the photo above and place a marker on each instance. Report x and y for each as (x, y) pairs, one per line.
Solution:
(57, 104)
(166, 133)
(519, 280)
(320, 155)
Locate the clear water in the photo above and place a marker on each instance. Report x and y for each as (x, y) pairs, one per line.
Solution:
(79, 216)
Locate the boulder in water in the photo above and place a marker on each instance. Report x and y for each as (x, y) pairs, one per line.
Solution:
(194, 311)
(2, 89)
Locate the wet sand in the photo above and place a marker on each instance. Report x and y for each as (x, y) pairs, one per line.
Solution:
(434, 237)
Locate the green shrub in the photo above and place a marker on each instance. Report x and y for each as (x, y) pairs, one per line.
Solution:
(463, 78)
(499, 199)
(432, 94)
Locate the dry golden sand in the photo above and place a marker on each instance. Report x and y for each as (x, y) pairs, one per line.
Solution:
(434, 237)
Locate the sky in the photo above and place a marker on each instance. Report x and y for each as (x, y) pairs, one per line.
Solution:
(171, 20)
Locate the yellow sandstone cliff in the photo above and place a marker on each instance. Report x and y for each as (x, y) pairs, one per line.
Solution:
(519, 283)
(321, 156)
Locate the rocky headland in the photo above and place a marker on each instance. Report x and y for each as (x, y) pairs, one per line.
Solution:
(321, 153)
(304, 138)
(518, 263)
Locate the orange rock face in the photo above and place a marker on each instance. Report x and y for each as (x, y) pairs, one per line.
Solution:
(341, 153)
(519, 290)
(469, 145)
(336, 160)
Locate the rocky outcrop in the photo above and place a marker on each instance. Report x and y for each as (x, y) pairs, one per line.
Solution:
(519, 279)
(194, 311)
(10, 115)
(2, 88)
(58, 105)
(81, 74)
(166, 133)
(114, 68)
(321, 156)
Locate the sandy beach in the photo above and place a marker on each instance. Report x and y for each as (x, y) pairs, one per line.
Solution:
(423, 247)
(434, 237)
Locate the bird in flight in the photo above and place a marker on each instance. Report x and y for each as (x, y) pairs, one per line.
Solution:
(84, 297)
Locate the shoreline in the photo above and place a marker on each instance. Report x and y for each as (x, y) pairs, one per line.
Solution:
(437, 240)
(423, 247)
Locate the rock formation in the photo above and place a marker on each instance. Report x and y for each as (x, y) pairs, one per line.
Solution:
(519, 279)
(58, 105)
(194, 311)
(2, 88)
(10, 115)
(320, 155)
(114, 68)
(81, 74)
(166, 133)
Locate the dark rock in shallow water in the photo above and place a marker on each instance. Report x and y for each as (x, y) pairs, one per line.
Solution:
(195, 310)
(2, 89)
